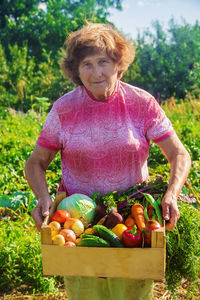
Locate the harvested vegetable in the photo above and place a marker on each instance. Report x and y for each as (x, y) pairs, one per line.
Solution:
(150, 210)
(74, 224)
(79, 205)
(155, 205)
(93, 241)
(137, 211)
(59, 240)
(150, 226)
(113, 219)
(60, 216)
(132, 237)
(69, 235)
(55, 228)
(119, 229)
(70, 244)
(108, 235)
(129, 222)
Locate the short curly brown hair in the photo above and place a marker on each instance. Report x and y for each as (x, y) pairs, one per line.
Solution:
(95, 38)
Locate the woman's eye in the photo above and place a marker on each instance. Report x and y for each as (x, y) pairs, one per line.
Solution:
(103, 61)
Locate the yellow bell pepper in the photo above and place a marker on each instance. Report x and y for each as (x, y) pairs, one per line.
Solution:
(119, 229)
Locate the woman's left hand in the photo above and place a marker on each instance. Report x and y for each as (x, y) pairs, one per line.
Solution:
(170, 210)
(180, 163)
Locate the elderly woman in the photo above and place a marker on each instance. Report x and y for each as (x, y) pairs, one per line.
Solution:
(103, 129)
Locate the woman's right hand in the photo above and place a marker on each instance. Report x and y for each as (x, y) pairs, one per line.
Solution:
(41, 211)
(35, 170)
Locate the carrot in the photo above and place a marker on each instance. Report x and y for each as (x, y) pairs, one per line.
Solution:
(150, 210)
(129, 222)
(155, 205)
(137, 211)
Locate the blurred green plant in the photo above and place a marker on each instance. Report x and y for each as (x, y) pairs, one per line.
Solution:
(20, 256)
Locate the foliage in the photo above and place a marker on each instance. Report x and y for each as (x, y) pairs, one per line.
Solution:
(169, 60)
(18, 201)
(32, 39)
(18, 135)
(45, 24)
(26, 84)
(184, 116)
(20, 256)
(183, 250)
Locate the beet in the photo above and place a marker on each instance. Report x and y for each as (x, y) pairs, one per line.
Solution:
(113, 219)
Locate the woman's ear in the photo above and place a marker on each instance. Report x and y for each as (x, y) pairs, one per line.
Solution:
(119, 76)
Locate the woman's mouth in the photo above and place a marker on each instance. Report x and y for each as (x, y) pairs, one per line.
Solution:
(98, 82)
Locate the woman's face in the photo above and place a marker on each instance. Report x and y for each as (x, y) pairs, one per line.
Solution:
(98, 74)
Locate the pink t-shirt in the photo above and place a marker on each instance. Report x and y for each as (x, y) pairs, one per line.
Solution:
(104, 144)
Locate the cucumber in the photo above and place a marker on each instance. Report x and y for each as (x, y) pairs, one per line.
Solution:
(94, 241)
(103, 232)
(86, 235)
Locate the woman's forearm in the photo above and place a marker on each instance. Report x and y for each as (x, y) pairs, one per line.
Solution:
(35, 171)
(180, 163)
(179, 170)
(36, 178)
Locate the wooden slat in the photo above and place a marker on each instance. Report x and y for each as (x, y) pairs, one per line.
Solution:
(146, 263)
(58, 198)
(158, 238)
(46, 232)
(45, 229)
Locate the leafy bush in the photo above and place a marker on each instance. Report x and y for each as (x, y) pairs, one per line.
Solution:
(19, 201)
(19, 133)
(26, 84)
(184, 116)
(183, 250)
(20, 256)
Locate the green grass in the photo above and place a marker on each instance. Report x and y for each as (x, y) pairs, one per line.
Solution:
(20, 257)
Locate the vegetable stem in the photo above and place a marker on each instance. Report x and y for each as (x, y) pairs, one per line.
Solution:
(152, 201)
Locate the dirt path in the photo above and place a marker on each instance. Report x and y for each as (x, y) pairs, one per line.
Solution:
(160, 293)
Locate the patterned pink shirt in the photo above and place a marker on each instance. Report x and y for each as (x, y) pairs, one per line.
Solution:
(104, 144)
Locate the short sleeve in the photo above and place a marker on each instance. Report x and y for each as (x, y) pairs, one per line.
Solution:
(157, 126)
(50, 135)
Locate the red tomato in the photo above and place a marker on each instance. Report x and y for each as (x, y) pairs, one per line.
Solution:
(61, 216)
(150, 226)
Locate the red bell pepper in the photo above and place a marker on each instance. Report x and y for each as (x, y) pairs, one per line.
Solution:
(132, 237)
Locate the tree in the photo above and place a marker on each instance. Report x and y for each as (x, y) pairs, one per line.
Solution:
(25, 22)
(166, 59)
(31, 42)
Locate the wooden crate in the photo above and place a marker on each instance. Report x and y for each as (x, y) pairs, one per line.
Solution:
(137, 263)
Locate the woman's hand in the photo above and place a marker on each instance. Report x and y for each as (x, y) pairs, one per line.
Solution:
(41, 211)
(170, 210)
(180, 163)
(35, 171)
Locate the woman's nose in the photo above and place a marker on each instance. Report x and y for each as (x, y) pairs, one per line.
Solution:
(97, 71)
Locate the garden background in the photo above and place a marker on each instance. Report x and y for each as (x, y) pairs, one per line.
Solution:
(167, 64)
